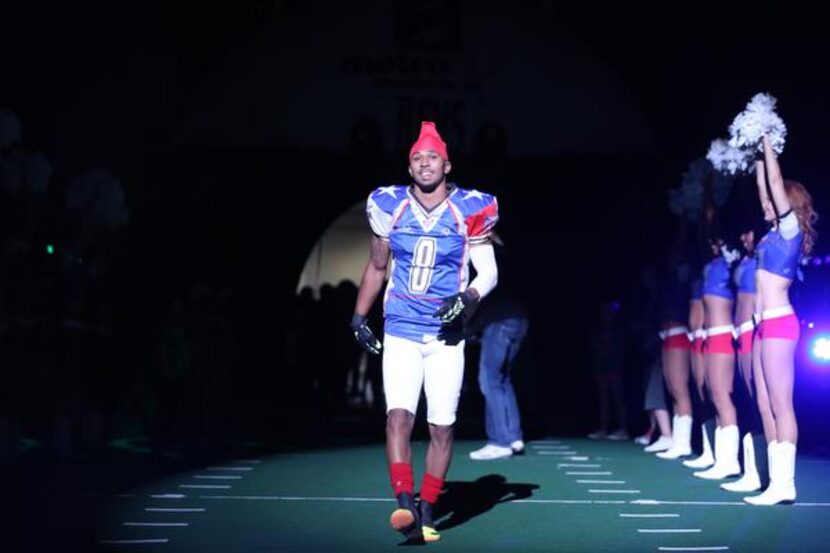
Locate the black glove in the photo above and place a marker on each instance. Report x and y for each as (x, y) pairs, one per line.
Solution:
(453, 306)
(452, 333)
(364, 335)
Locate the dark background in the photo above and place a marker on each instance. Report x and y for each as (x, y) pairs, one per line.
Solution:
(111, 85)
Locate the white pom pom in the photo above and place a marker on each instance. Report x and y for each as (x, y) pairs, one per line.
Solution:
(717, 153)
(730, 256)
(757, 119)
(728, 159)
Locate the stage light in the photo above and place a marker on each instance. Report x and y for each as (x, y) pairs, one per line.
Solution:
(811, 325)
(50, 249)
(820, 349)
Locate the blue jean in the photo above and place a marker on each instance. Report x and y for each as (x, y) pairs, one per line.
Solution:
(500, 343)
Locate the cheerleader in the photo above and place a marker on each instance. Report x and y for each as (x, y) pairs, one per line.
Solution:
(754, 442)
(674, 357)
(704, 412)
(719, 360)
(788, 208)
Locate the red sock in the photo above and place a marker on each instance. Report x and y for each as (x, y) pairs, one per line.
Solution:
(400, 474)
(431, 488)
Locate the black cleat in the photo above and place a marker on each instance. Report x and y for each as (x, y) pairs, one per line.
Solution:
(428, 531)
(405, 518)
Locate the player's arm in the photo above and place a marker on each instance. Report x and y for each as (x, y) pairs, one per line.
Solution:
(480, 226)
(776, 181)
(374, 275)
(761, 179)
(787, 220)
(483, 259)
(371, 284)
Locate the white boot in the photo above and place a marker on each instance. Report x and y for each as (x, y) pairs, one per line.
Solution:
(707, 458)
(726, 455)
(673, 429)
(781, 476)
(662, 444)
(682, 435)
(750, 481)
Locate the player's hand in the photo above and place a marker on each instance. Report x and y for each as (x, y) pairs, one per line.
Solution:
(364, 336)
(453, 333)
(453, 306)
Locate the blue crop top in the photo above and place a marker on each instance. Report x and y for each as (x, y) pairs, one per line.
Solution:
(716, 279)
(744, 276)
(779, 255)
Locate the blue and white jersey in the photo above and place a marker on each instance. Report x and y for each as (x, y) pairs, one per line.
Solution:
(430, 252)
(780, 252)
(744, 276)
(716, 279)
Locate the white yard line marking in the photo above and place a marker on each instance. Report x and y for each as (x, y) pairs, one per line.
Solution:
(579, 458)
(115, 542)
(218, 477)
(600, 481)
(669, 530)
(715, 503)
(589, 473)
(579, 465)
(545, 452)
(705, 548)
(649, 515)
(571, 501)
(660, 502)
(168, 496)
(298, 498)
(551, 446)
(175, 509)
(548, 501)
(206, 486)
(556, 501)
(156, 524)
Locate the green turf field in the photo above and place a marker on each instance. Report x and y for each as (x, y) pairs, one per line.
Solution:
(564, 494)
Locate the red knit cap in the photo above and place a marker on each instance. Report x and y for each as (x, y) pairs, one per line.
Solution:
(429, 140)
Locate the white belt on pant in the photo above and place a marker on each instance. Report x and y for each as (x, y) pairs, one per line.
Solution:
(776, 312)
(673, 331)
(697, 334)
(773, 313)
(745, 326)
(718, 330)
